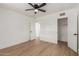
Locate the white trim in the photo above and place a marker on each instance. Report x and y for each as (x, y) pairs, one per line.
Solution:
(78, 51)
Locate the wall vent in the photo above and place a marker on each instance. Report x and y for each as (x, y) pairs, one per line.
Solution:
(62, 14)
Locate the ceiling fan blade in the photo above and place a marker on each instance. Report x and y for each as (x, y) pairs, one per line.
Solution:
(28, 9)
(31, 4)
(42, 10)
(43, 4)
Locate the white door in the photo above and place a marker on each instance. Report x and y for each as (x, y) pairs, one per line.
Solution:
(72, 31)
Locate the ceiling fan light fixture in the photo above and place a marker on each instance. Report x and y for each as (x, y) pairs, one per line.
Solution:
(36, 7)
(36, 10)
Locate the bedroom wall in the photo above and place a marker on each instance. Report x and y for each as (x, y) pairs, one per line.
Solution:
(48, 25)
(14, 28)
(48, 28)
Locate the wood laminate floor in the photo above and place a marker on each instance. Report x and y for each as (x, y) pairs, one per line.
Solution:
(38, 48)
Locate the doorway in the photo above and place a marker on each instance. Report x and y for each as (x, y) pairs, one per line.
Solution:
(37, 30)
(62, 31)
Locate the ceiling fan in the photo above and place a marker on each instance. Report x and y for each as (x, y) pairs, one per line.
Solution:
(36, 7)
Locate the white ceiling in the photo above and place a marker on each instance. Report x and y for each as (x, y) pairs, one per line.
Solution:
(50, 8)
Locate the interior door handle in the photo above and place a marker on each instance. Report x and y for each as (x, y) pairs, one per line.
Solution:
(75, 34)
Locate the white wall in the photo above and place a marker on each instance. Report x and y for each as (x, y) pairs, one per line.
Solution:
(14, 28)
(48, 28)
(62, 29)
(48, 25)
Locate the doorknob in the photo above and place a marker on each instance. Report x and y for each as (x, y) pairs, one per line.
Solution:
(75, 34)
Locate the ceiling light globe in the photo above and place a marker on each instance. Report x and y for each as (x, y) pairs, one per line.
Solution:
(36, 10)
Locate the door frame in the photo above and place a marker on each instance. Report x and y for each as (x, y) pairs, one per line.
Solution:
(77, 36)
(57, 26)
(30, 31)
